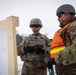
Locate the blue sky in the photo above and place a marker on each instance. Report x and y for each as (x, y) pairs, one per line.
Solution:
(28, 9)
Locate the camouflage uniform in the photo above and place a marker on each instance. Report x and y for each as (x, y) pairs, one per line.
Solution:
(66, 58)
(34, 64)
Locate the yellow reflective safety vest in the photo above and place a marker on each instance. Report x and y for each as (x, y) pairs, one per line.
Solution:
(57, 43)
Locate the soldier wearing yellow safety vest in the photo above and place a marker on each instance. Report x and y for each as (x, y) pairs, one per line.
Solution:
(63, 46)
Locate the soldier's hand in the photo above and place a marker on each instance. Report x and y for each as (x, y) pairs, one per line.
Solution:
(28, 49)
(39, 49)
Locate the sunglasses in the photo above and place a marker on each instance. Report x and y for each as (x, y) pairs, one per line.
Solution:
(36, 26)
(59, 15)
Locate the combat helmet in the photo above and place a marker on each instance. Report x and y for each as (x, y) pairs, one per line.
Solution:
(35, 21)
(66, 8)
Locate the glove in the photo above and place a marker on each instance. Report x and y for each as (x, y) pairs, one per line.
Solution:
(38, 49)
(28, 49)
(51, 62)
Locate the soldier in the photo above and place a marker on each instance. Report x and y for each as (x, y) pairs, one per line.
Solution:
(33, 50)
(63, 46)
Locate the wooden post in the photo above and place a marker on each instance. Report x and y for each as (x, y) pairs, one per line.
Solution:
(8, 52)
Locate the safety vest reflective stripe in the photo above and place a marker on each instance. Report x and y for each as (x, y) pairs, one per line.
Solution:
(57, 49)
(54, 51)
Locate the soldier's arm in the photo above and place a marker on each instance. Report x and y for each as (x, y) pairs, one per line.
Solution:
(48, 41)
(47, 47)
(20, 50)
(68, 55)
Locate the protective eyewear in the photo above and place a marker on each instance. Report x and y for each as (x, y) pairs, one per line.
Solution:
(59, 15)
(36, 26)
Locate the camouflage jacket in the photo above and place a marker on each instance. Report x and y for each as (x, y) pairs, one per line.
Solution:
(66, 59)
(32, 40)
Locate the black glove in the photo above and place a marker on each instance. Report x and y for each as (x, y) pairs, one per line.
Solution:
(39, 49)
(28, 49)
(51, 62)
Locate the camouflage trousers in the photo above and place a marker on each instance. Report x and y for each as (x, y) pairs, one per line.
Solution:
(66, 70)
(34, 68)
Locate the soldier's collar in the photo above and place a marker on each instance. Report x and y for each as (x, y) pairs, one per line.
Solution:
(36, 34)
